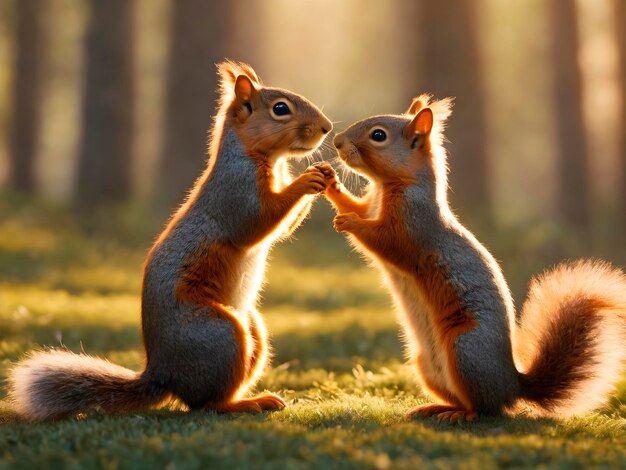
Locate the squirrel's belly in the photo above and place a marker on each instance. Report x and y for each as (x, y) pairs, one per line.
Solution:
(424, 349)
(251, 274)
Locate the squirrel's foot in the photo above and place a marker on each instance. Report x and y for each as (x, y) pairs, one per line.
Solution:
(269, 401)
(443, 413)
(457, 415)
(258, 404)
(428, 410)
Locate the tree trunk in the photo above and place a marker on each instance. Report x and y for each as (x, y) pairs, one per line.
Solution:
(620, 30)
(573, 192)
(105, 157)
(449, 64)
(199, 39)
(26, 97)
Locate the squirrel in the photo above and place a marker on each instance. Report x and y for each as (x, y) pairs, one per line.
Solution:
(564, 355)
(205, 342)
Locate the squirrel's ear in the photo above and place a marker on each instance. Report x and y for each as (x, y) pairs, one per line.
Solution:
(421, 124)
(415, 106)
(245, 97)
(243, 88)
(419, 128)
(229, 70)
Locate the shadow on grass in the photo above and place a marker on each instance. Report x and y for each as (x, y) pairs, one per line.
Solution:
(484, 427)
(489, 425)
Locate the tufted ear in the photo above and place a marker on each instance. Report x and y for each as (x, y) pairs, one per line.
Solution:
(417, 104)
(245, 97)
(238, 85)
(421, 124)
(227, 75)
(229, 70)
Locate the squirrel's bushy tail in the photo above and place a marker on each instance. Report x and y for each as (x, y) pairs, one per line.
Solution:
(56, 384)
(571, 343)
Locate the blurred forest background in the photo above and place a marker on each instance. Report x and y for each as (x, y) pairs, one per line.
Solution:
(104, 112)
(105, 107)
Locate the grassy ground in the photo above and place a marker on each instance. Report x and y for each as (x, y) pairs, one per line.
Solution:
(338, 362)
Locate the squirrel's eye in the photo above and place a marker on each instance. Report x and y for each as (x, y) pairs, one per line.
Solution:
(281, 109)
(378, 135)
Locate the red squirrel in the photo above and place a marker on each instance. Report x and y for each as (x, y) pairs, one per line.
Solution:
(564, 355)
(205, 342)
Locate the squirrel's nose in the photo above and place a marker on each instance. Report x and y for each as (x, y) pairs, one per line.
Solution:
(338, 141)
(327, 126)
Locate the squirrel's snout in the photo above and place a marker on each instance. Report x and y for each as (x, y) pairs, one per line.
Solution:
(311, 129)
(338, 141)
(327, 126)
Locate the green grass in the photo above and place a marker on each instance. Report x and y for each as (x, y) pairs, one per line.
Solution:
(338, 362)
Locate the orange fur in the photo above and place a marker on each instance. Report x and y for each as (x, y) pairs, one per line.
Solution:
(344, 201)
(388, 172)
(260, 346)
(443, 412)
(209, 275)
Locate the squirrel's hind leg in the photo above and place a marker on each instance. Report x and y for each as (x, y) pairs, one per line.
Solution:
(258, 361)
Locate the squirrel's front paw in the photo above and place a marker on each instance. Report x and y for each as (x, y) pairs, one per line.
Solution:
(312, 180)
(326, 168)
(345, 222)
(332, 184)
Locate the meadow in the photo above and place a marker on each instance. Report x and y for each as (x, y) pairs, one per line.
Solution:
(338, 362)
